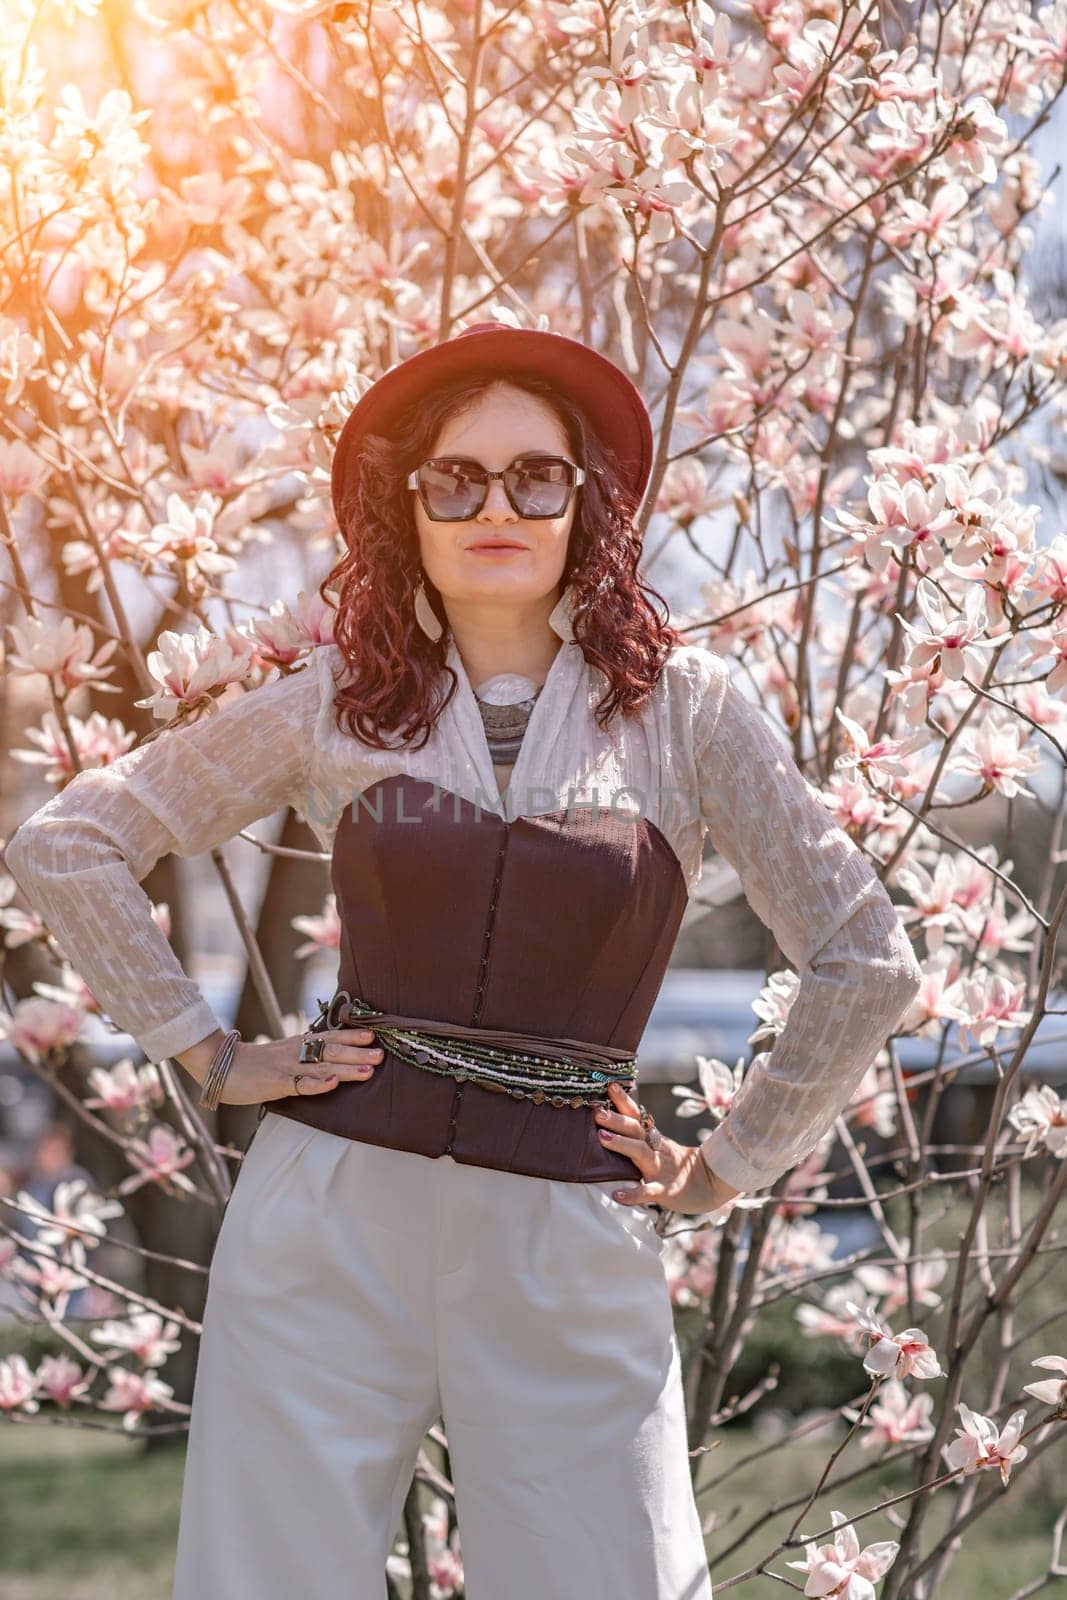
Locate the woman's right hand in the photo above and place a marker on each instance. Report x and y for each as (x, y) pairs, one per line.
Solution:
(265, 1071)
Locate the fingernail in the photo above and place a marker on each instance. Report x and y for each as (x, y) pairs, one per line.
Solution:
(605, 1133)
(620, 1194)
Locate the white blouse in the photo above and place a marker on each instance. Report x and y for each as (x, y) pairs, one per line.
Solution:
(699, 758)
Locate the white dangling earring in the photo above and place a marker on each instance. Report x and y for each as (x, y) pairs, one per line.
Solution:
(559, 618)
(425, 615)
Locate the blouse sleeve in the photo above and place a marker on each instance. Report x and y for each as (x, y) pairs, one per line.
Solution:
(831, 916)
(80, 858)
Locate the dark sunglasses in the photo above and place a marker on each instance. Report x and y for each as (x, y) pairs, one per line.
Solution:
(454, 488)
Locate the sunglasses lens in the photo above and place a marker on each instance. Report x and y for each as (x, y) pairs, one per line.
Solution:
(540, 488)
(454, 491)
(451, 490)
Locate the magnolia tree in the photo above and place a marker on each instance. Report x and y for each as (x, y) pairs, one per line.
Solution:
(802, 231)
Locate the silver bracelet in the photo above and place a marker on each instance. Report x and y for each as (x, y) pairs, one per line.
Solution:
(211, 1089)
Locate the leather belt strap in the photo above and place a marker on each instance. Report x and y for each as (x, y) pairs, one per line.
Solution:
(590, 1066)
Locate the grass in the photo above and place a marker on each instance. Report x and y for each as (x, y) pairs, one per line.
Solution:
(85, 1515)
(89, 1516)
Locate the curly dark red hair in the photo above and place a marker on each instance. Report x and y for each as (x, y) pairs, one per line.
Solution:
(396, 672)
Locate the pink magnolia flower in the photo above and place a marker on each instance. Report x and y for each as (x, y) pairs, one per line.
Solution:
(881, 759)
(979, 1443)
(187, 542)
(718, 1085)
(21, 469)
(978, 136)
(953, 639)
(1041, 1116)
(797, 1246)
(159, 1159)
(774, 1003)
(812, 327)
(50, 1277)
(831, 1317)
(993, 1003)
(1049, 576)
(1043, 700)
(220, 467)
(20, 927)
(36, 1028)
(106, 134)
(63, 651)
(324, 932)
(278, 637)
(629, 66)
(17, 1385)
(72, 990)
(747, 620)
(134, 1393)
(894, 1354)
(896, 1417)
(929, 218)
(443, 1556)
(690, 1263)
(890, 1284)
(209, 197)
(145, 1335)
(97, 742)
(76, 1216)
(685, 493)
(874, 1103)
(20, 354)
(315, 617)
(189, 667)
(842, 1570)
(997, 755)
(913, 689)
(861, 813)
(696, 121)
(991, 930)
(902, 516)
(939, 997)
(1038, 646)
(1050, 1391)
(62, 1380)
(124, 1087)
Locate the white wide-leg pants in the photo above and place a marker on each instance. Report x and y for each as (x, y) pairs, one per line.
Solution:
(356, 1295)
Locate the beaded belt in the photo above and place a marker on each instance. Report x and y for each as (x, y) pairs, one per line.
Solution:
(563, 1072)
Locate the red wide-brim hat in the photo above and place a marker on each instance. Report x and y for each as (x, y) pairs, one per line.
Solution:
(613, 404)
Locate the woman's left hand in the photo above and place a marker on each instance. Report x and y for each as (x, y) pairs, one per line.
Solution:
(673, 1175)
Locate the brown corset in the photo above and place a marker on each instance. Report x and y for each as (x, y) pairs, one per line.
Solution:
(559, 925)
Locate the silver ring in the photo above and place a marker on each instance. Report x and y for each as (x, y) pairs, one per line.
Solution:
(312, 1048)
(653, 1137)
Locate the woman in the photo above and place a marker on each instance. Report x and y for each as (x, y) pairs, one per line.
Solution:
(509, 901)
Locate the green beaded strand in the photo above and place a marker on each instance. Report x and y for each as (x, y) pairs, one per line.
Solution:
(544, 1078)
